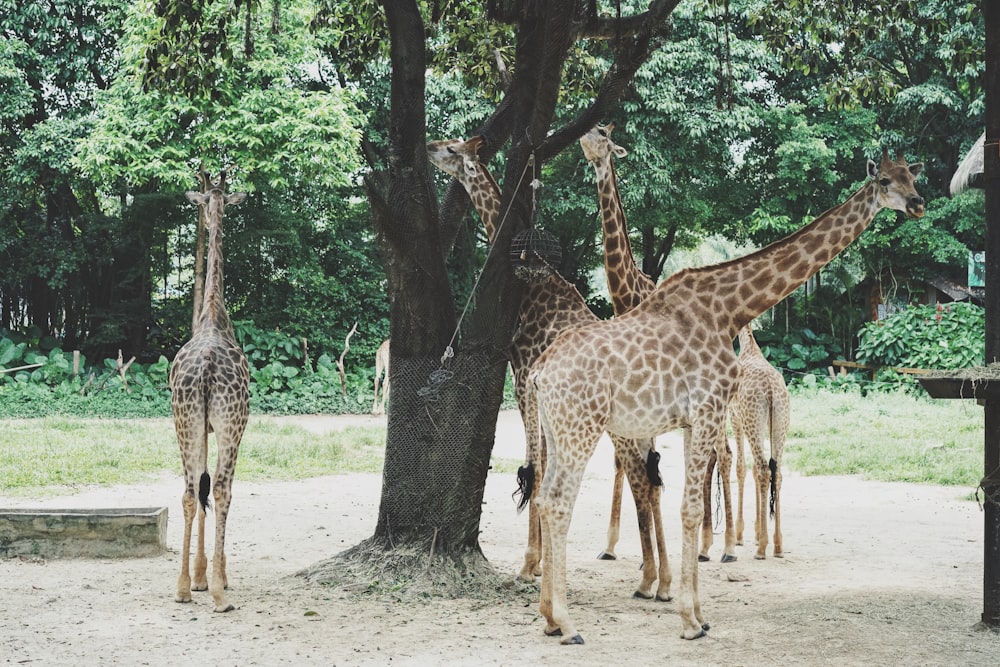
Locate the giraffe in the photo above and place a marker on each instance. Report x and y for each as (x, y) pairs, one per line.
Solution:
(669, 363)
(760, 409)
(550, 306)
(628, 285)
(209, 391)
(381, 366)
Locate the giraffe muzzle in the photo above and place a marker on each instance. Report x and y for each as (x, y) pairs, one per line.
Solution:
(915, 207)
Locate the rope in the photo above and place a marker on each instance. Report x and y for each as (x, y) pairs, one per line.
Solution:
(449, 350)
(431, 392)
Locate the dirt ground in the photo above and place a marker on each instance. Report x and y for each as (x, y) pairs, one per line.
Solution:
(874, 574)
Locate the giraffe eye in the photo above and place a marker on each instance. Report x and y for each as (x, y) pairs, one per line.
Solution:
(884, 182)
(603, 133)
(451, 150)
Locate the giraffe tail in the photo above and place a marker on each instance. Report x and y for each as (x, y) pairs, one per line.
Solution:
(653, 468)
(525, 485)
(203, 488)
(773, 465)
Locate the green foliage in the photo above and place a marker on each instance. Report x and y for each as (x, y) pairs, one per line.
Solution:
(798, 352)
(939, 337)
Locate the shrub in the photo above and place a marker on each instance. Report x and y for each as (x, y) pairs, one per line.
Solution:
(939, 337)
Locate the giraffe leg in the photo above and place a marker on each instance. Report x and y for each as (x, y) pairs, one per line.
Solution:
(692, 513)
(741, 475)
(188, 503)
(553, 606)
(763, 481)
(725, 469)
(200, 559)
(560, 487)
(614, 523)
(776, 481)
(228, 435)
(533, 552)
(220, 582)
(641, 492)
(665, 578)
(706, 517)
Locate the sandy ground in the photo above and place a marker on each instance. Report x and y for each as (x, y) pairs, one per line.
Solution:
(874, 574)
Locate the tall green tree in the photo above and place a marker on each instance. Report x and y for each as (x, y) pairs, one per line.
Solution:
(223, 86)
(66, 267)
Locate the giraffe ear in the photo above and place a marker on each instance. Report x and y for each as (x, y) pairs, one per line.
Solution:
(196, 198)
(872, 170)
(916, 168)
(618, 150)
(235, 198)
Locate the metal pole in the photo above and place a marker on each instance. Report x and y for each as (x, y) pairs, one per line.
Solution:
(991, 175)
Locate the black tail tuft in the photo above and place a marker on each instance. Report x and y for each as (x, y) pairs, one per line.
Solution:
(203, 488)
(525, 485)
(773, 465)
(653, 467)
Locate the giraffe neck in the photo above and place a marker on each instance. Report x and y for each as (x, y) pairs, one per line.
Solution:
(627, 285)
(213, 310)
(485, 195)
(733, 293)
(748, 345)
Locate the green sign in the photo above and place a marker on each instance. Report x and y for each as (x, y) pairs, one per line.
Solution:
(977, 268)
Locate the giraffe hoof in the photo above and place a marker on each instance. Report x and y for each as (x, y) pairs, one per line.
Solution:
(606, 555)
(760, 556)
(696, 635)
(702, 558)
(778, 554)
(639, 595)
(220, 609)
(726, 558)
(554, 632)
(183, 598)
(664, 598)
(199, 587)
(575, 639)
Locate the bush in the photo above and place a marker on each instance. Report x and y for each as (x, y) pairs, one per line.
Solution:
(937, 337)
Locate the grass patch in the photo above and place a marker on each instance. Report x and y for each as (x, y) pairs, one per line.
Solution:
(887, 437)
(48, 455)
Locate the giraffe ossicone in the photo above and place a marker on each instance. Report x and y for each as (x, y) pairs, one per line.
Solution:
(669, 363)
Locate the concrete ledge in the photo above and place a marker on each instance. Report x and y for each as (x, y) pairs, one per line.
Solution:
(83, 533)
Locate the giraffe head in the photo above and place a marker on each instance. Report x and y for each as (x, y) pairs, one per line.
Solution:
(456, 157)
(894, 179)
(214, 199)
(597, 144)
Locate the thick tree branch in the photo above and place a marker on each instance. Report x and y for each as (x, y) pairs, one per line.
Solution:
(630, 54)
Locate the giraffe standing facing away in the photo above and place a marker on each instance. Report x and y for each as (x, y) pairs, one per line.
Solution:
(209, 392)
(381, 366)
(760, 410)
(627, 287)
(669, 363)
(549, 307)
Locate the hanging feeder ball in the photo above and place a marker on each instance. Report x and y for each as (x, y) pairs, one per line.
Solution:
(534, 254)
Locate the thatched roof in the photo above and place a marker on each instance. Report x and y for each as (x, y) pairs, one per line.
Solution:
(971, 169)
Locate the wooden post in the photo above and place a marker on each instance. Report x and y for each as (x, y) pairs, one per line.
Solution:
(76, 363)
(991, 180)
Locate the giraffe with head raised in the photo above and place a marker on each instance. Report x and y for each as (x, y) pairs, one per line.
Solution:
(209, 392)
(549, 307)
(760, 411)
(669, 363)
(628, 285)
